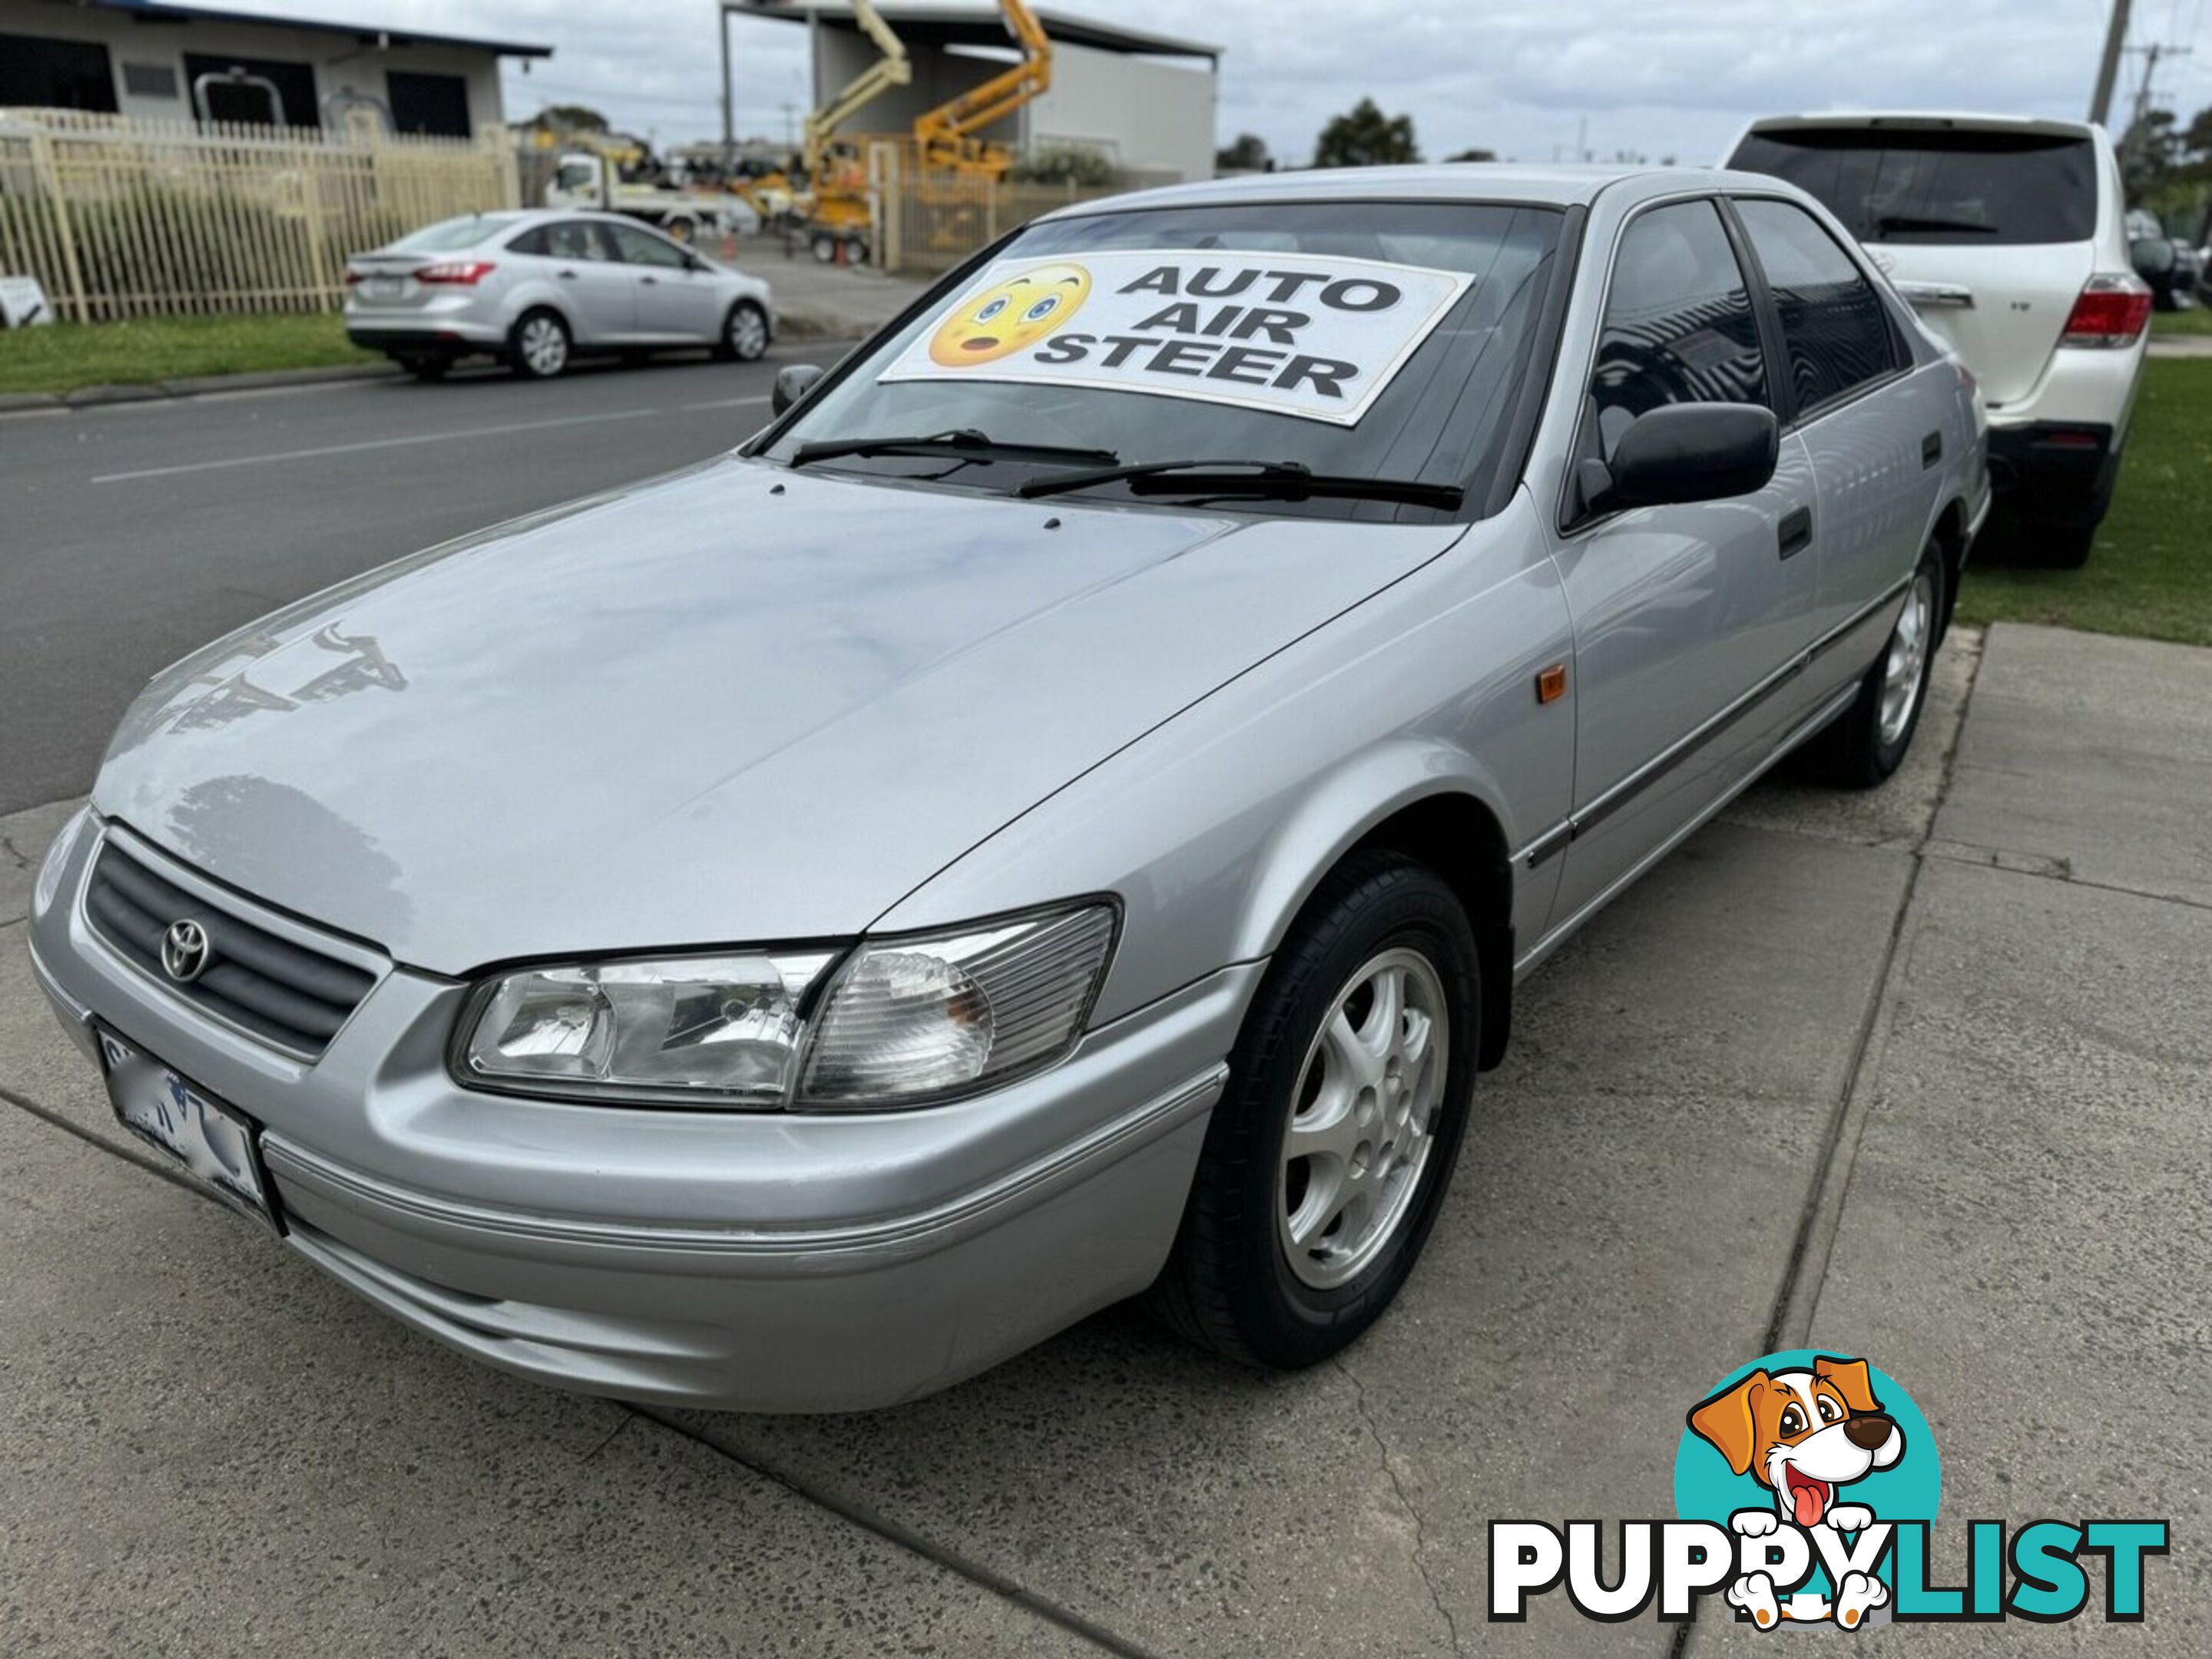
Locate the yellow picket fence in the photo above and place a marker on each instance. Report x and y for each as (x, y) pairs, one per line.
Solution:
(120, 218)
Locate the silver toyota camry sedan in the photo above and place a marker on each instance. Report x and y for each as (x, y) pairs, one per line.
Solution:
(1057, 816)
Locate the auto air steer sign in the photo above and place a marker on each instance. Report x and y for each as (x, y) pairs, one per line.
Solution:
(1294, 334)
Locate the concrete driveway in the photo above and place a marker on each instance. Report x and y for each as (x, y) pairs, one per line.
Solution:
(1923, 1074)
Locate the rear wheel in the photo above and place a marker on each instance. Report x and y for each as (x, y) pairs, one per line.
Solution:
(1869, 740)
(1328, 1156)
(428, 366)
(538, 346)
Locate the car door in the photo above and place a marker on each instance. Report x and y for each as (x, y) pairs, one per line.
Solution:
(1688, 619)
(1873, 430)
(580, 262)
(676, 300)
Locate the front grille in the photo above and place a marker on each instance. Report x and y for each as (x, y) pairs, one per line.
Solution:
(292, 996)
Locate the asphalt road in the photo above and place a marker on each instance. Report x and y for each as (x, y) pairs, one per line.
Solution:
(131, 534)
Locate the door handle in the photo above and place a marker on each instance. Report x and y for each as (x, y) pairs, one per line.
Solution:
(650, 282)
(568, 275)
(1931, 450)
(1794, 532)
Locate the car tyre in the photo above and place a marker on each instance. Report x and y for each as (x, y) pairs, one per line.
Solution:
(427, 366)
(539, 345)
(1869, 740)
(745, 334)
(1259, 1273)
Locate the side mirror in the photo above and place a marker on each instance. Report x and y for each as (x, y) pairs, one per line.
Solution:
(792, 382)
(1683, 453)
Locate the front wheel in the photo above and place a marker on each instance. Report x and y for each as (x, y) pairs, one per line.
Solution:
(1869, 739)
(539, 347)
(745, 334)
(1328, 1156)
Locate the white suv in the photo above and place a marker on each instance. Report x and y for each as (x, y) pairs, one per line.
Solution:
(2009, 236)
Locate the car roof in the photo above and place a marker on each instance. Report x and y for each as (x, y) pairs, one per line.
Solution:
(1921, 120)
(1458, 181)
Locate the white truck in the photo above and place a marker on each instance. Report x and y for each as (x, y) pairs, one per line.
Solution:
(582, 180)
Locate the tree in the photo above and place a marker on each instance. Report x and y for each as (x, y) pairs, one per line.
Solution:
(1248, 155)
(1065, 164)
(1366, 137)
(569, 117)
(1474, 156)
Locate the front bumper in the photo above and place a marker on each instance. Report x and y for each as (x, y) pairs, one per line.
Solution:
(760, 1261)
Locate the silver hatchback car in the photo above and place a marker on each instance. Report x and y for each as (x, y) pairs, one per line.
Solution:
(538, 290)
(1059, 815)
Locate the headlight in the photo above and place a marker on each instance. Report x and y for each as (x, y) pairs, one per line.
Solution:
(904, 1021)
(713, 1031)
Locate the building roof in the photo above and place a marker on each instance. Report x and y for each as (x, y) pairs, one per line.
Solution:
(979, 23)
(367, 33)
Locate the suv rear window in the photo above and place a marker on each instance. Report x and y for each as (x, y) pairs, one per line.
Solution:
(1977, 189)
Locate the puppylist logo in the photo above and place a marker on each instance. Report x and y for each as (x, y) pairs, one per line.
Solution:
(1806, 1486)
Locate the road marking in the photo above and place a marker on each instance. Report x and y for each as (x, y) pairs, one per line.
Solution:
(378, 443)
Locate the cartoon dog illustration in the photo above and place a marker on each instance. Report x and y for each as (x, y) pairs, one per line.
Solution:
(1803, 1434)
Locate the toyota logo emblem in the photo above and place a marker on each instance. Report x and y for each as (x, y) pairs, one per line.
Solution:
(185, 951)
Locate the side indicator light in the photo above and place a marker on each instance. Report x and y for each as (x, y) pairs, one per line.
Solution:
(1552, 683)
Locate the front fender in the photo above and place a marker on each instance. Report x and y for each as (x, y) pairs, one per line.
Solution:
(1217, 826)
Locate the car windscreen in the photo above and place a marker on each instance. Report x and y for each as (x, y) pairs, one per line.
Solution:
(1979, 189)
(451, 235)
(1373, 339)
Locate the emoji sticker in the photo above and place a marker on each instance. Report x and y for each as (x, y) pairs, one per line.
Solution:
(1018, 311)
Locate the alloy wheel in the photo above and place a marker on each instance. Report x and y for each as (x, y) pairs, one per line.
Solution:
(1362, 1118)
(1903, 669)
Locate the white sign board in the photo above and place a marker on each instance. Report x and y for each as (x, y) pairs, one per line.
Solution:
(23, 302)
(1308, 334)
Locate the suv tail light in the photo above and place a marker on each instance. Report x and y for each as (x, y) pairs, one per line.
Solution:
(2112, 311)
(469, 272)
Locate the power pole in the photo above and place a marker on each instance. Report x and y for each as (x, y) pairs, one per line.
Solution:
(729, 92)
(2133, 138)
(2108, 68)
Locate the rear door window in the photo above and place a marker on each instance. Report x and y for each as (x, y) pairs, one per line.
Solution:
(1912, 185)
(642, 247)
(1678, 324)
(1833, 322)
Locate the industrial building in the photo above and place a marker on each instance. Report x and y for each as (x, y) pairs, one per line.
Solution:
(1144, 101)
(156, 61)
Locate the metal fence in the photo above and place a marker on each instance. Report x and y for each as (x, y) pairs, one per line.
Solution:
(126, 218)
(929, 220)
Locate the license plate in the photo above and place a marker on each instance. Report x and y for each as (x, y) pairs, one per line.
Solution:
(217, 1143)
(381, 287)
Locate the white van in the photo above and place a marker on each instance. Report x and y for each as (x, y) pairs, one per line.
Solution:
(2009, 237)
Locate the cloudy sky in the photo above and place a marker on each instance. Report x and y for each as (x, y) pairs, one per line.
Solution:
(1660, 78)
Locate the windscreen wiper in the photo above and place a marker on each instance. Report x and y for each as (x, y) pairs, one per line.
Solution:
(1908, 221)
(1289, 481)
(965, 440)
